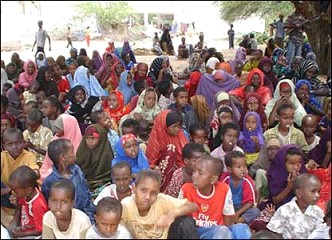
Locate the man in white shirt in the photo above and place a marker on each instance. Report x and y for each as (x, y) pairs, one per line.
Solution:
(40, 39)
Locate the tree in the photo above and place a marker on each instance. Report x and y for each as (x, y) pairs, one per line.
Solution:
(318, 31)
(109, 15)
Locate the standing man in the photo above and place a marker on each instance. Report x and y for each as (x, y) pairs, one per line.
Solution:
(231, 34)
(280, 32)
(40, 39)
(69, 40)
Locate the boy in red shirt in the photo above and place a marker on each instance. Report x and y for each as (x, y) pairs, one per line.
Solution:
(214, 219)
(29, 202)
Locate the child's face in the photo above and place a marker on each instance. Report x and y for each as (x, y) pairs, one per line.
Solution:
(238, 69)
(92, 142)
(107, 223)
(131, 148)
(40, 97)
(144, 130)
(255, 81)
(126, 130)
(50, 61)
(10, 69)
(20, 191)
(238, 168)
(253, 106)
(150, 99)
(142, 71)
(310, 193)
(113, 101)
(293, 163)
(31, 68)
(5, 90)
(286, 118)
(285, 92)
(119, 69)
(302, 92)
(32, 126)
(5, 124)
(225, 117)
(80, 96)
(72, 69)
(129, 79)
(146, 193)
(230, 139)
(182, 99)
(174, 129)
(105, 121)
(271, 152)
(266, 68)
(199, 136)
(126, 58)
(311, 73)
(191, 162)
(47, 108)
(40, 56)
(70, 156)
(60, 203)
(202, 175)
(251, 123)
(309, 126)
(34, 88)
(14, 144)
(48, 76)
(121, 177)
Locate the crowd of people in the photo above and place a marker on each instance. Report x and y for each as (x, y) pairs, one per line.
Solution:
(103, 146)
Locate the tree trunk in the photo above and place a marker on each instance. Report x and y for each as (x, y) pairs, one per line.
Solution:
(318, 32)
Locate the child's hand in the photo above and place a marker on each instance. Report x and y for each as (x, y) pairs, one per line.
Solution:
(255, 139)
(270, 208)
(13, 199)
(164, 221)
(28, 144)
(291, 178)
(312, 165)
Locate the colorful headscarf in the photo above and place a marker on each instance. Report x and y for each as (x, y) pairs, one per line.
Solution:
(120, 111)
(97, 61)
(25, 79)
(226, 67)
(312, 100)
(270, 79)
(139, 163)
(139, 66)
(249, 146)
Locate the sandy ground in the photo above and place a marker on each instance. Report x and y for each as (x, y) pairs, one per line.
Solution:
(59, 48)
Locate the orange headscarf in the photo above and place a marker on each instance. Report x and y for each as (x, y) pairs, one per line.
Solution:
(120, 111)
(226, 67)
(160, 139)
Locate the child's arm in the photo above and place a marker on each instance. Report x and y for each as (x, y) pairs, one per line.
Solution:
(242, 210)
(18, 232)
(281, 196)
(28, 144)
(167, 219)
(327, 158)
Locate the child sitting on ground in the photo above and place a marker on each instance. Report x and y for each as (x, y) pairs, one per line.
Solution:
(198, 134)
(251, 138)
(151, 214)
(36, 136)
(144, 129)
(129, 151)
(309, 126)
(166, 98)
(102, 118)
(51, 108)
(31, 93)
(61, 152)
(30, 204)
(108, 217)
(298, 218)
(214, 217)
(191, 153)
(121, 186)
(229, 135)
(242, 187)
(63, 220)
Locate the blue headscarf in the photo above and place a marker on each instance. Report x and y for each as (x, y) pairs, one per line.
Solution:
(90, 83)
(127, 91)
(137, 164)
(312, 100)
(249, 146)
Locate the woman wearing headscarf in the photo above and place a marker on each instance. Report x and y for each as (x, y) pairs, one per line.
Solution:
(18, 61)
(66, 127)
(126, 86)
(95, 162)
(96, 61)
(137, 159)
(164, 148)
(294, 68)
(82, 105)
(91, 84)
(308, 101)
(73, 56)
(29, 75)
(210, 84)
(15, 107)
(266, 66)
(158, 68)
(284, 92)
(195, 64)
(12, 72)
(255, 78)
(113, 81)
(226, 67)
(46, 81)
(105, 71)
(141, 72)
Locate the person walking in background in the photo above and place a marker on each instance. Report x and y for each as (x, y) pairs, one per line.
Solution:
(40, 39)
(280, 32)
(87, 36)
(69, 40)
(231, 34)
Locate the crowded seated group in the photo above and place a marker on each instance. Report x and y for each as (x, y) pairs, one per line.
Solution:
(106, 146)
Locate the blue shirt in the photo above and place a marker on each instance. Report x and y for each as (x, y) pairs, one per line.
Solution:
(82, 193)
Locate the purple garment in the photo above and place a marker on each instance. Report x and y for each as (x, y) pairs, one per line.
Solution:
(208, 87)
(97, 61)
(241, 54)
(270, 79)
(318, 153)
(277, 175)
(249, 146)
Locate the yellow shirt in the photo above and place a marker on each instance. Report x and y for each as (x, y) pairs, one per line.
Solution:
(143, 227)
(9, 165)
